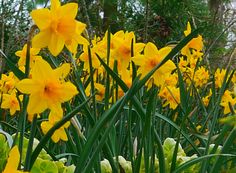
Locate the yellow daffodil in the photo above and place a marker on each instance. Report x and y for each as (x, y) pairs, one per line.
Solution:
(219, 77)
(206, 99)
(152, 57)
(195, 44)
(22, 55)
(122, 51)
(201, 77)
(13, 161)
(171, 80)
(8, 82)
(227, 99)
(47, 87)
(171, 96)
(54, 117)
(85, 58)
(58, 27)
(11, 102)
(100, 91)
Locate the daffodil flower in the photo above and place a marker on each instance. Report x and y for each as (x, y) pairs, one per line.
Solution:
(54, 117)
(11, 102)
(58, 27)
(46, 87)
(152, 57)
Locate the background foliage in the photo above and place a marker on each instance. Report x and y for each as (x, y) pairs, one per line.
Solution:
(159, 21)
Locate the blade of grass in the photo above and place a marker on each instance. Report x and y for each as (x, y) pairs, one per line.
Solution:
(160, 152)
(84, 166)
(229, 141)
(215, 112)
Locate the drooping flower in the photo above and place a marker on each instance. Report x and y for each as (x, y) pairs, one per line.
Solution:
(195, 44)
(227, 99)
(47, 87)
(206, 99)
(152, 57)
(219, 77)
(171, 96)
(22, 54)
(54, 117)
(11, 102)
(58, 27)
(13, 161)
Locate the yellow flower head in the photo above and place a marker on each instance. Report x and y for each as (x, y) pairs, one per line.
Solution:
(122, 51)
(58, 27)
(171, 96)
(171, 80)
(10, 102)
(206, 99)
(85, 58)
(195, 44)
(152, 57)
(22, 55)
(100, 91)
(54, 117)
(8, 82)
(227, 99)
(219, 77)
(201, 77)
(47, 87)
(13, 161)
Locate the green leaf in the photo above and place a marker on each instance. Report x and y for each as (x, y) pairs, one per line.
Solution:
(18, 73)
(187, 164)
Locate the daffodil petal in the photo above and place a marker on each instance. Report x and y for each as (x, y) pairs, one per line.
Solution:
(55, 4)
(26, 86)
(69, 10)
(70, 89)
(42, 39)
(56, 44)
(41, 17)
(150, 49)
(36, 105)
(62, 71)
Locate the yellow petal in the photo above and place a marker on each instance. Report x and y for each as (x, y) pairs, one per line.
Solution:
(26, 86)
(69, 10)
(56, 44)
(163, 52)
(42, 70)
(80, 27)
(36, 104)
(150, 49)
(62, 71)
(34, 51)
(69, 91)
(55, 4)
(42, 39)
(13, 160)
(188, 31)
(138, 47)
(72, 45)
(82, 40)
(42, 18)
